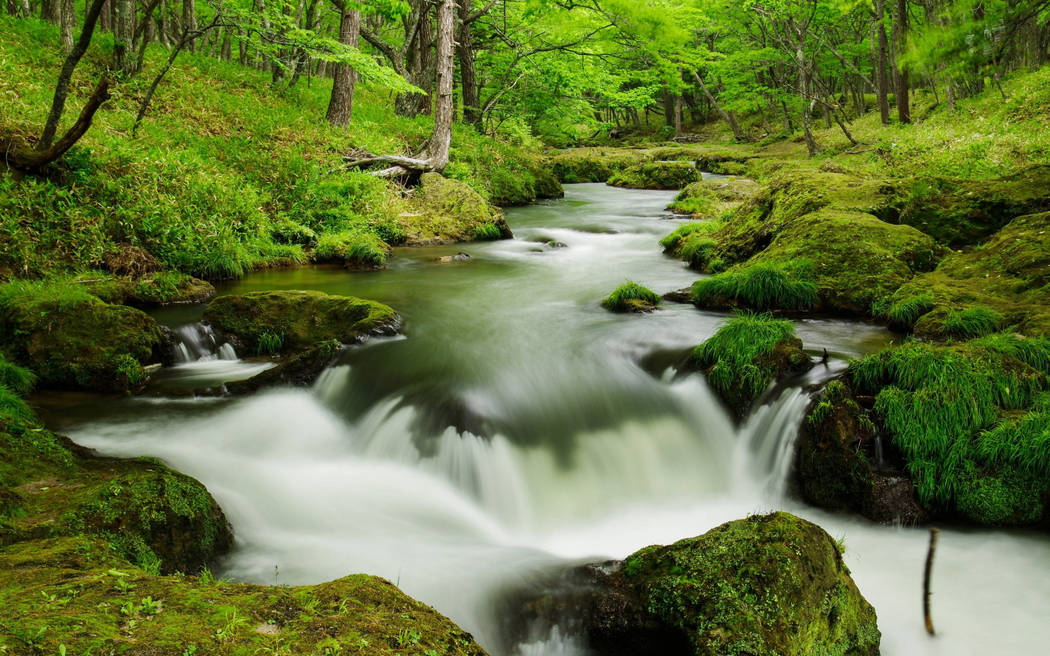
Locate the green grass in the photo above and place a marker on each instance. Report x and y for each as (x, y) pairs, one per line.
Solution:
(906, 312)
(672, 241)
(787, 286)
(269, 343)
(628, 295)
(738, 354)
(360, 248)
(972, 322)
(488, 232)
(951, 410)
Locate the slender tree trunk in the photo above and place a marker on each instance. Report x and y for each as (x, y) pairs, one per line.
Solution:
(467, 74)
(678, 131)
(58, 103)
(728, 117)
(807, 103)
(441, 140)
(903, 90)
(68, 24)
(189, 20)
(341, 104)
(51, 11)
(105, 19)
(124, 36)
(881, 65)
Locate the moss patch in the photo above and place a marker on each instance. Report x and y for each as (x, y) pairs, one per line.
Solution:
(656, 175)
(353, 250)
(149, 290)
(593, 164)
(746, 355)
(444, 211)
(71, 339)
(72, 592)
(711, 199)
(765, 585)
(299, 318)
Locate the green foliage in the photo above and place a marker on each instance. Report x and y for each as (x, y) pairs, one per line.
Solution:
(671, 241)
(18, 380)
(906, 311)
(630, 295)
(356, 248)
(972, 322)
(488, 232)
(269, 344)
(787, 286)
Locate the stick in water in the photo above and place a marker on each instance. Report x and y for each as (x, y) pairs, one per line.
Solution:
(926, 580)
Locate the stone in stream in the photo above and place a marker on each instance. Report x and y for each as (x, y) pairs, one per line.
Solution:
(768, 584)
(458, 257)
(298, 370)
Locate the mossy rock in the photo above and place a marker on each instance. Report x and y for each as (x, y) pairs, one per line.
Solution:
(299, 370)
(146, 512)
(547, 184)
(656, 175)
(710, 199)
(298, 319)
(90, 602)
(631, 297)
(960, 212)
(593, 164)
(153, 290)
(444, 211)
(766, 585)
(1009, 275)
(835, 468)
(747, 354)
(72, 340)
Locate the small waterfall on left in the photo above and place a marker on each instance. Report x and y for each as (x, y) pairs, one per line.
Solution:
(198, 343)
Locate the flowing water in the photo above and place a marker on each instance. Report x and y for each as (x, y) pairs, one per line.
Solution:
(518, 429)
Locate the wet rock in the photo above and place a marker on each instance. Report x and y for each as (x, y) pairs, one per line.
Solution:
(679, 296)
(631, 297)
(458, 257)
(288, 321)
(299, 370)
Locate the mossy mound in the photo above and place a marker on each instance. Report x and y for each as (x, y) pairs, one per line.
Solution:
(293, 320)
(1005, 282)
(656, 175)
(709, 199)
(971, 423)
(593, 164)
(746, 354)
(787, 286)
(72, 592)
(766, 585)
(547, 184)
(837, 463)
(147, 513)
(72, 340)
(151, 290)
(444, 211)
(693, 243)
(631, 297)
(964, 212)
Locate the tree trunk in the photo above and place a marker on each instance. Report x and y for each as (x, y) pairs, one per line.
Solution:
(105, 19)
(341, 105)
(903, 90)
(678, 131)
(42, 157)
(51, 11)
(58, 103)
(189, 20)
(419, 62)
(728, 117)
(807, 103)
(441, 140)
(467, 74)
(881, 65)
(68, 24)
(124, 36)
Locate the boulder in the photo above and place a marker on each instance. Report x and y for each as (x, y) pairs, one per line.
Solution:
(445, 211)
(298, 370)
(656, 175)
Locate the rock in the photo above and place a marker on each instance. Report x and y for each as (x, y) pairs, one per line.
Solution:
(299, 370)
(747, 354)
(593, 164)
(119, 607)
(656, 175)
(72, 340)
(289, 321)
(767, 585)
(835, 463)
(547, 184)
(446, 211)
(458, 257)
(631, 297)
(710, 199)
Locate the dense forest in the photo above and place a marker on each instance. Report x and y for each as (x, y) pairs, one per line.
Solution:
(352, 266)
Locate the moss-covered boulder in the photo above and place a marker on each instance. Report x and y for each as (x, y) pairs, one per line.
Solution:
(73, 340)
(444, 211)
(656, 175)
(965, 212)
(73, 592)
(298, 370)
(287, 321)
(747, 354)
(693, 243)
(356, 250)
(708, 199)
(1005, 282)
(546, 183)
(840, 464)
(593, 164)
(970, 423)
(766, 585)
(152, 290)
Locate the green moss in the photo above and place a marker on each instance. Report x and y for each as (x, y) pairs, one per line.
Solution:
(631, 297)
(765, 286)
(71, 339)
(361, 250)
(766, 585)
(656, 175)
(444, 211)
(593, 164)
(746, 355)
(1001, 497)
(73, 592)
(302, 318)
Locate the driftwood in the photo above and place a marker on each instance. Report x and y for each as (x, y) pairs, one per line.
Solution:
(31, 160)
(409, 163)
(926, 580)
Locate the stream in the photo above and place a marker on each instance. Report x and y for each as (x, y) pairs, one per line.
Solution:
(517, 429)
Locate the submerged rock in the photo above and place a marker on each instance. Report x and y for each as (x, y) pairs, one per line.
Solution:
(288, 321)
(458, 257)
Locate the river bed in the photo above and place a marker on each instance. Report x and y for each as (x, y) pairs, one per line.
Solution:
(517, 428)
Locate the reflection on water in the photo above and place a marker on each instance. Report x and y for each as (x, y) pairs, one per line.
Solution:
(519, 429)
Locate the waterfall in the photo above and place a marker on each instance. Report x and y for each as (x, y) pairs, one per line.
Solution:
(198, 343)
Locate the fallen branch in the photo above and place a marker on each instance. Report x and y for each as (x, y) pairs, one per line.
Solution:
(393, 161)
(926, 580)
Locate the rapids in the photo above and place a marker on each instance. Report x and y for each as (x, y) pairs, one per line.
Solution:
(518, 429)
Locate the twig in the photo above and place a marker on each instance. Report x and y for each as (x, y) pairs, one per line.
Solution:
(926, 580)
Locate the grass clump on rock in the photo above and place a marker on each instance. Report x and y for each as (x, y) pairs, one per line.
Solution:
(354, 250)
(765, 585)
(631, 297)
(746, 354)
(656, 175)
(767, 286)
(967, 420)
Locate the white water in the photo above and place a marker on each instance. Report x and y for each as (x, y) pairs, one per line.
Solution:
(202, 361)
(345, 478)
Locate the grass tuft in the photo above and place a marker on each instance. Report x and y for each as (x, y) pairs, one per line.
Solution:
(360, 248)
(630, 295)
(976, 321)
(787, 286)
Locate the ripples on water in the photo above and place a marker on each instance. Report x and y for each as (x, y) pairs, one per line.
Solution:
(521, 429)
